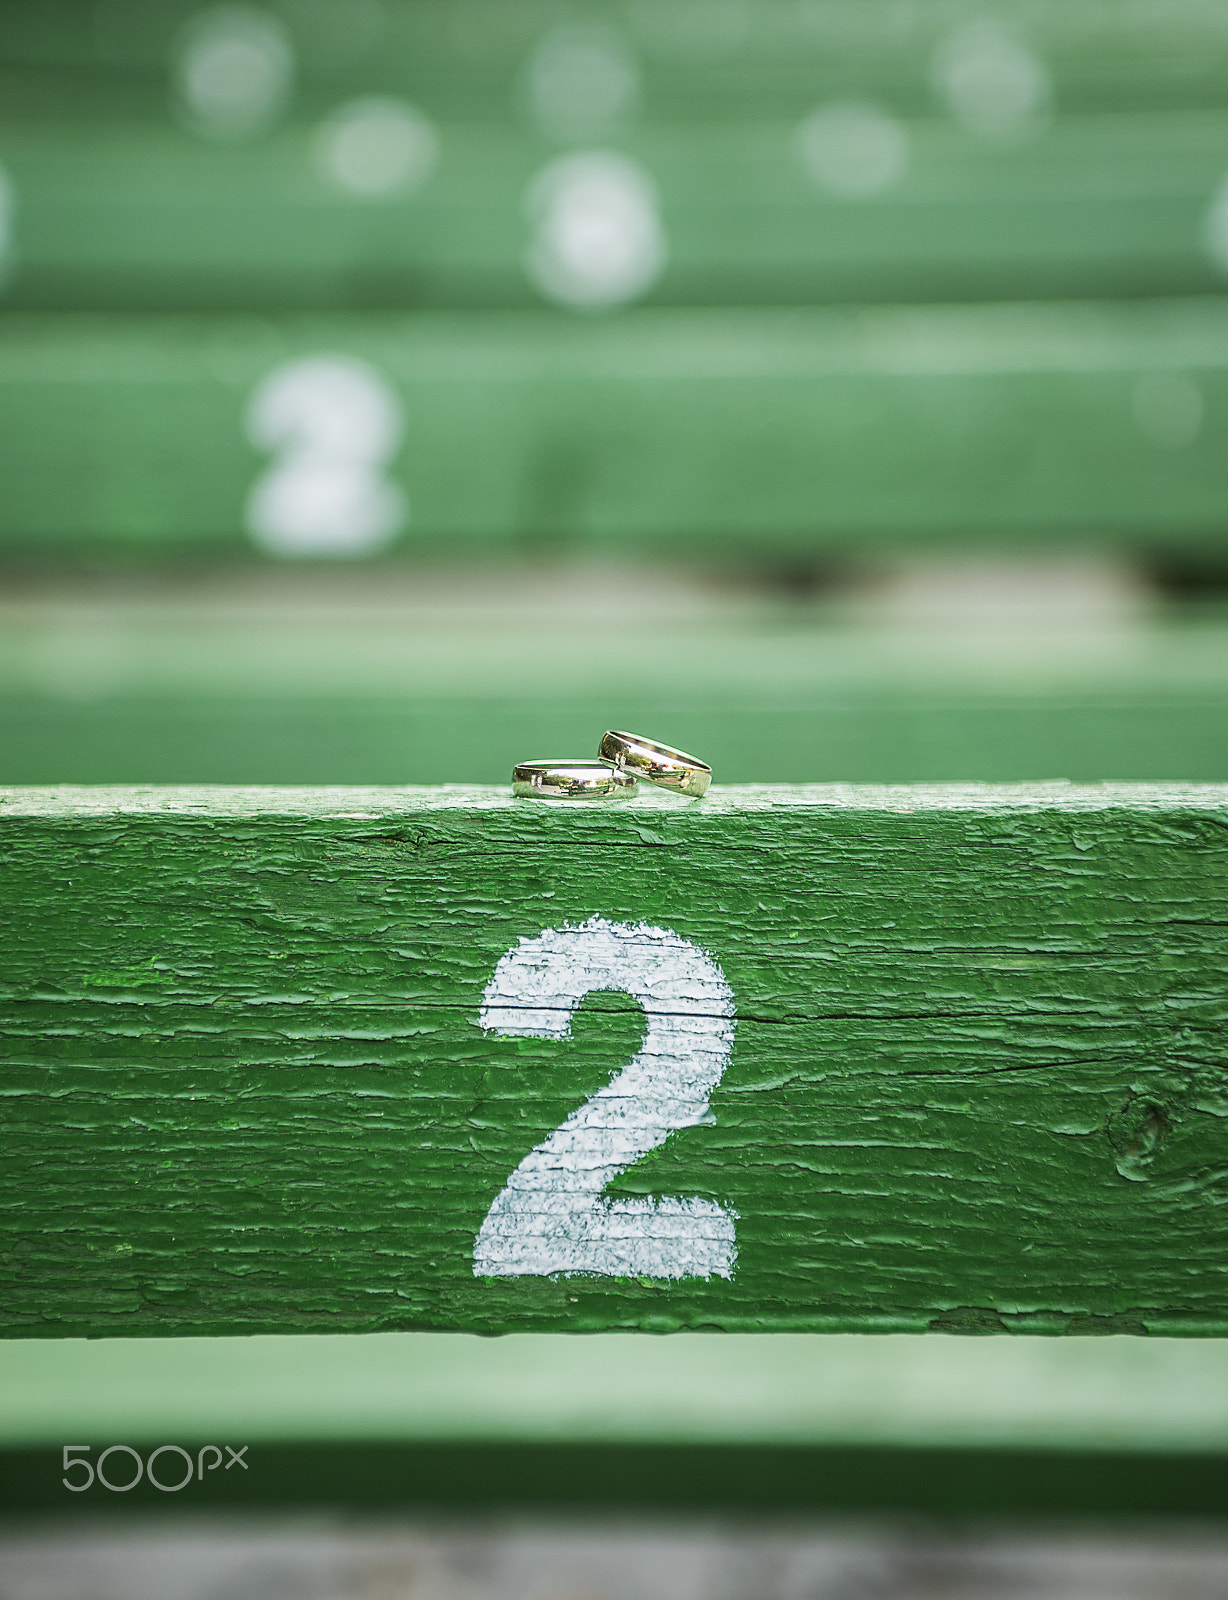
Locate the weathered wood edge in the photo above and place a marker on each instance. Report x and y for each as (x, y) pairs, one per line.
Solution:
(357, 803)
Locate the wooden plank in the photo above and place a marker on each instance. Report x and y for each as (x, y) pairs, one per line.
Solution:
(421, 684)
(975, 1083)
(132, 217)
(67, 59)
(896, 1390)
(300, 738)
(753, 431)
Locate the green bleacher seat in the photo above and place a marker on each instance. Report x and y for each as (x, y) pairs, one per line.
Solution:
(747, 433)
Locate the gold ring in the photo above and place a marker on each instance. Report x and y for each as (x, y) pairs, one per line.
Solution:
(658, 763)
(571, 780)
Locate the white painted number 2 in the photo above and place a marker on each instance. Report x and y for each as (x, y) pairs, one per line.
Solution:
(552, 1215)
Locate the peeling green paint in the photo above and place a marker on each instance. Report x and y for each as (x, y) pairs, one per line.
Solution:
(978, 1080)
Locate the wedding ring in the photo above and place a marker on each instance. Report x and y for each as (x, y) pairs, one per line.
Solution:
(658, 763)
(571, 780)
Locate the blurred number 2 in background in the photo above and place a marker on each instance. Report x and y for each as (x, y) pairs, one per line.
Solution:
(332, 425)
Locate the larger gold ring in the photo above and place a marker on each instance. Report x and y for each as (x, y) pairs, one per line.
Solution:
(570, 780)
(658, 763)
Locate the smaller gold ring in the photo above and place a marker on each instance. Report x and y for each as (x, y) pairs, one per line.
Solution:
(658, 763)
(570, 780)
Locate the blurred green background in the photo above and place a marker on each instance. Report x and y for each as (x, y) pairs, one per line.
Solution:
(394, 389)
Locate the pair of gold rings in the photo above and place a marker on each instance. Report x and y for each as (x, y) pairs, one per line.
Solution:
(622, 760)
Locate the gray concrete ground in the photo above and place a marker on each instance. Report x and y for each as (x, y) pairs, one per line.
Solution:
(316, 1558)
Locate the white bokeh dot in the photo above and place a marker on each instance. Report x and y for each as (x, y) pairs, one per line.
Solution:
(581, 81)
(992, 82)
(597, 235)
(1215, 228)
(376, 146)
(233, 71)
(332, 424)
(853, 148)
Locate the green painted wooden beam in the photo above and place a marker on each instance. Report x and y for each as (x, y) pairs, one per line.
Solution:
(131, 217)
(756, 433)
(300, 738)
(298, 1061)
(418, 685)
(895, 1390)
(67, 59)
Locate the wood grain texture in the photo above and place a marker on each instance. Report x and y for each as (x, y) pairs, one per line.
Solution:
(977, 1081)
